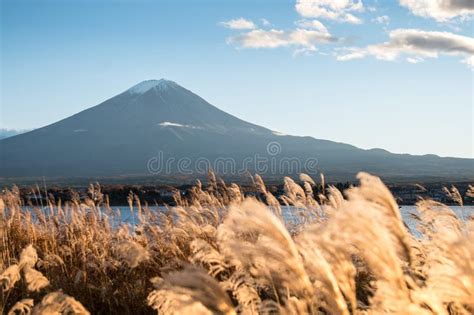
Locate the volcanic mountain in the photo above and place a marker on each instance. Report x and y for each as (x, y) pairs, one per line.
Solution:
(158, 128)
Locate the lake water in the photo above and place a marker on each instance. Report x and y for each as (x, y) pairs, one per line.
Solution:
(289, 213)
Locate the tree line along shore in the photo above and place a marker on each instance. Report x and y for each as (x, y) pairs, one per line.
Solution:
(159, 194)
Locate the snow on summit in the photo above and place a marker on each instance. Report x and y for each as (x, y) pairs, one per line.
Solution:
(145, 86)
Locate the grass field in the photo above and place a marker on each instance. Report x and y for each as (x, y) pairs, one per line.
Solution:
(220, 253)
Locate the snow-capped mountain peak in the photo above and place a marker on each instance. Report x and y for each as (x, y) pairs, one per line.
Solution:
(145, 86)
(122, 135)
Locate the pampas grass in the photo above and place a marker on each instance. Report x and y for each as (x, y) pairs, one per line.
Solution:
(9, 277)
(22, 307)
(59, 303)
(218, 252)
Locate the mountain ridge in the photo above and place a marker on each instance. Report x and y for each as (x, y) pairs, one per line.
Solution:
(122, 134)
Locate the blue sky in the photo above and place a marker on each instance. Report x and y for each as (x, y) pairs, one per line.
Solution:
(390, 74)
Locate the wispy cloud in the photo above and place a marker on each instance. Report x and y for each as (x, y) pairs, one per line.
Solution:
(383, 19)
(239, 24)
(469, 61)
(312, 24)
(303, 40)
(265, 22)
(337, 10)
(414, 59)
(172, 124)
(417, 45)
(440, 10)
(414, 45)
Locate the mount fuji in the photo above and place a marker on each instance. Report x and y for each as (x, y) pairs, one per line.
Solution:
(159, 118)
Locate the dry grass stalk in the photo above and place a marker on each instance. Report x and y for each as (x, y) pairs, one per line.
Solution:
(131, 253)
(34, 279)
(22, 307)
(350, 255)
(454, 195)
(59, 303)
(28, 257)
(9, 277)
(470, 191)
(190, 290)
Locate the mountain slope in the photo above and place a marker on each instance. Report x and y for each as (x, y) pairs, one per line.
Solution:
(160, 120)
(6, 133)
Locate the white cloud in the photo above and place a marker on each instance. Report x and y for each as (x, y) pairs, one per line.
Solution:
(265, 22)
(337, 10)
(303, 40)
(260, 39)
(415, 59)
(417, 45)
(440, 10)
(312, 24)
(239, 24)
(172, 124)
(469, 61)
(372, 9)
(384, 19)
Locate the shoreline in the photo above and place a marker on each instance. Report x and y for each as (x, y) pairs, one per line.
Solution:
(118, 195)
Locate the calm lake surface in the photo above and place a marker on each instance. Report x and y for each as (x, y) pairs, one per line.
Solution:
(289, 213)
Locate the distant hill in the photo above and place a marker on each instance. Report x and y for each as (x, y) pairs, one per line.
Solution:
(158, 121)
